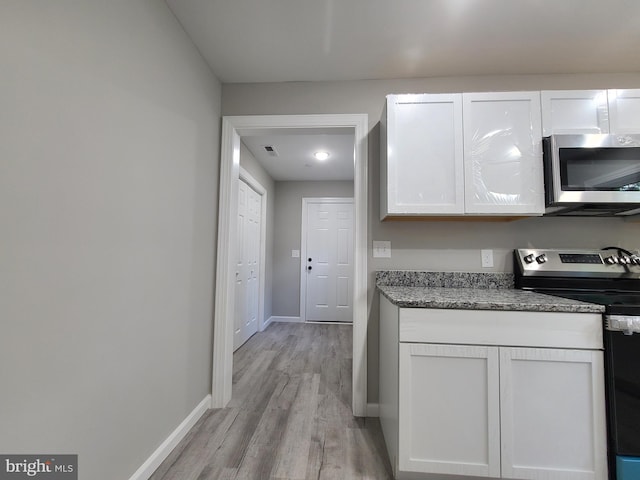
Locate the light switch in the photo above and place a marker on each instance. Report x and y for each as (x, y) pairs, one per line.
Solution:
(295, 253)
(381, 249)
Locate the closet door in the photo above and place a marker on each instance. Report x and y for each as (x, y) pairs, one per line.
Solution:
(247, 296)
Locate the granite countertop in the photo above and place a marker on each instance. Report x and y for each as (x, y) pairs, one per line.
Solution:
(470, 292)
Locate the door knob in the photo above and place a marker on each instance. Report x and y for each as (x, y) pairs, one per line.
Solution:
(309, 267)
(309, 259)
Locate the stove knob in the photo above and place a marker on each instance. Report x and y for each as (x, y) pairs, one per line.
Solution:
(541, 258)
(528, 258)
(611, 260)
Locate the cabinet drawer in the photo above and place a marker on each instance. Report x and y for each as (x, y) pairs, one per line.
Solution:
(490, 327)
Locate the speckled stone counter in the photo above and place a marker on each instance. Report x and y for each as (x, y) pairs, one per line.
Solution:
(483, 299)
(410, 278)
(470, 291)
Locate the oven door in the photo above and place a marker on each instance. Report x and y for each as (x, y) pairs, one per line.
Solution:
(592, 169)
(622, 357)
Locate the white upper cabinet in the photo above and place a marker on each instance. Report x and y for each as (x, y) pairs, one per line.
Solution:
(455, 154)
(503, 153)
(481, 153)
(624, 111)
(574, 111)
(422, 142)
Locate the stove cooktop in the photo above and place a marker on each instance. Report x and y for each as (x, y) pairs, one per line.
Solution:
(608, 277)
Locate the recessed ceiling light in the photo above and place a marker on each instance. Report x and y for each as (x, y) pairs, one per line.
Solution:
(321, 155)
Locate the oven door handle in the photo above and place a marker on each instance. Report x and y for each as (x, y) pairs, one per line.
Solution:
(627, 324)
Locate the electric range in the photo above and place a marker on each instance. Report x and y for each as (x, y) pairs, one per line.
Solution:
(608, 277)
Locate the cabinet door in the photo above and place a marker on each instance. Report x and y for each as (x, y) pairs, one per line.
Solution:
(552, 414)
(424, 154)
(574, 111)
(448, 410)
(624, 111)
(503, 153)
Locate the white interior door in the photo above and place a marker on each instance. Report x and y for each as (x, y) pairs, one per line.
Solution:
(247, 265)
(328, 260)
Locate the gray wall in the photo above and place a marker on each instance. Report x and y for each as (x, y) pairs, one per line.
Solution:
(288, 224)
(450, 246)
(251, 165)
(109, 147)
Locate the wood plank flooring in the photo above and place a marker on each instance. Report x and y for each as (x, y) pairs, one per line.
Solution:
(289, 418)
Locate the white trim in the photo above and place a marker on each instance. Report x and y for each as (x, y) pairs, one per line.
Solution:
(373, 409)
(258, 188)
(327, 322)
(303, 245)
(162, 452)
(267, 323)
(222, 363)
(232, 128)
(276, 318)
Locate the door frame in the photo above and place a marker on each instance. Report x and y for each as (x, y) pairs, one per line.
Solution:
(233, 127)
(303, 246)
(260, 190)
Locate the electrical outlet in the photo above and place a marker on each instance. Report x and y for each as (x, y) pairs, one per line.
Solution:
(295, 253)
(487, 258)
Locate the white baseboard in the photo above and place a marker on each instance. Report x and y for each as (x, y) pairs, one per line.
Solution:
(153, 462)
(373, 410)
(285, 319)
(266, 324)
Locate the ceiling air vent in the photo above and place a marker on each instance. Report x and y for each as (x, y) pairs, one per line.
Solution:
(270, 149)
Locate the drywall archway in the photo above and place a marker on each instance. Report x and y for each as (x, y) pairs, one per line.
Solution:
(233, 128)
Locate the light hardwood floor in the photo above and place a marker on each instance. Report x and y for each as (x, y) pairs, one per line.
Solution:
(289, 418)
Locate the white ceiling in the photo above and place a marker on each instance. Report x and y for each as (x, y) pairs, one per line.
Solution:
(329, 40)
(295, 161)
(313, 40)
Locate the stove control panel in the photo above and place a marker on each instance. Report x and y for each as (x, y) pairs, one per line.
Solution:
(599, 263)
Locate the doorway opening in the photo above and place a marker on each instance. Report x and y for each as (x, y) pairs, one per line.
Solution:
(233, 128)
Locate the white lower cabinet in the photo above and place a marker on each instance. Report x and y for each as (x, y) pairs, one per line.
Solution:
(552, 414)
(449, 416)
(496, 411)
(531, 413)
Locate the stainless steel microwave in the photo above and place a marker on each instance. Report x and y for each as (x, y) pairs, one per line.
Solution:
(592, 174)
